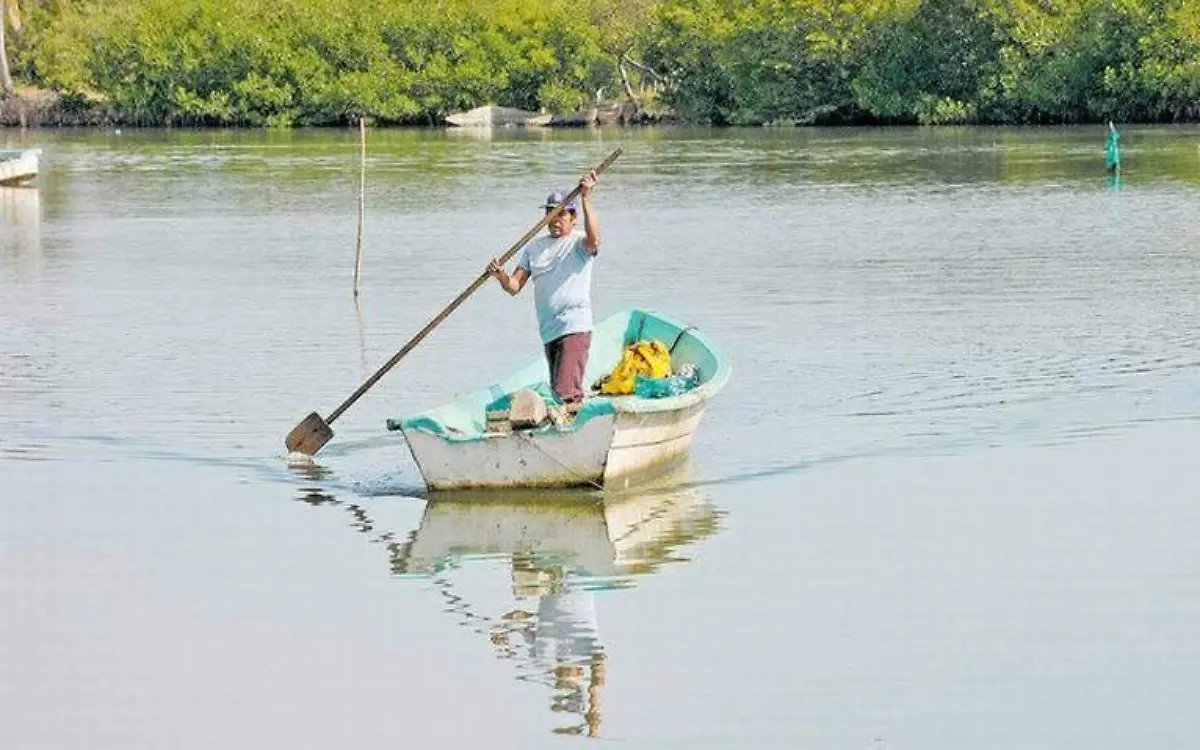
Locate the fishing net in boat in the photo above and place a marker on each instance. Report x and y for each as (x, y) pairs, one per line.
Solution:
(687, 378)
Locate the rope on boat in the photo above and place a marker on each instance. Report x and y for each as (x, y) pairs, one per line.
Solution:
(555, 459)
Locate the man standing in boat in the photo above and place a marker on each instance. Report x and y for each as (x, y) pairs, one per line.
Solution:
(560, 264)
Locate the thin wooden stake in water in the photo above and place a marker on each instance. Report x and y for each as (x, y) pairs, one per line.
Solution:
(362, 189)
(362, 335)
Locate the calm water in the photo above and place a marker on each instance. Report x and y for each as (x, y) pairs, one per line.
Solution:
(946, 501)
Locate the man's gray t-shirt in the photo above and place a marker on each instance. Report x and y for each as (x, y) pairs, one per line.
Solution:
(561, 271)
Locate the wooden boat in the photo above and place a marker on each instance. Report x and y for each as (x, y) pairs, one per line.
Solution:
(17, 167)
(614, 441)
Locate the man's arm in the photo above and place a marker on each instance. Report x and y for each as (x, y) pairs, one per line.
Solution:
(512, 283)
(591, 225)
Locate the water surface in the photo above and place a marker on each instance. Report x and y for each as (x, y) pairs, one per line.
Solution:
(946, 499)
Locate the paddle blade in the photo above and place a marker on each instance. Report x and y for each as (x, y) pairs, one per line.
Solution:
(309, 436)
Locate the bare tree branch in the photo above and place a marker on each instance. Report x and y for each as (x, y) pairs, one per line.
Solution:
(625, 83)
(625, 58)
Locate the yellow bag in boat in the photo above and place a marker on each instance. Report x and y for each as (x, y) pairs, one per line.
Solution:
(650, 359)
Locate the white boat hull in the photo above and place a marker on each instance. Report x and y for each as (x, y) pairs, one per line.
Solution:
(610, 451)
(645, 442)
(17, 167)
(491, 117)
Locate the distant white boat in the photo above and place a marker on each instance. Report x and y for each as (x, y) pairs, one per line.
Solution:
(486, 118)
(18, 166)
(578, 119)
(492, 117)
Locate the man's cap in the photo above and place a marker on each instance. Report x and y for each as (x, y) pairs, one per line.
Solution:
(556, 198)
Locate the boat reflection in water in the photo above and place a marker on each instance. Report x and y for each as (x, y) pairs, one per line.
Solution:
(20, 216)
(523, 569)
(561, 548)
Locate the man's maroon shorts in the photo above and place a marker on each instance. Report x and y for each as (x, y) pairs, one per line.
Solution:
(567, 357)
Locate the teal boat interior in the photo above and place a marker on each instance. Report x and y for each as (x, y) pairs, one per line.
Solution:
(464, 418)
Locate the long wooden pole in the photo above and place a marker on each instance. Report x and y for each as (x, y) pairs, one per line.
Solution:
(314, 431)
(363, 189)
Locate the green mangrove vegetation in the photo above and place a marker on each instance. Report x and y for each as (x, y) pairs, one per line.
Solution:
(740, 62)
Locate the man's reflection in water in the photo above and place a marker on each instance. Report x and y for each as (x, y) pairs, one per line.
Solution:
(560, 640)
